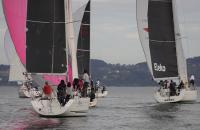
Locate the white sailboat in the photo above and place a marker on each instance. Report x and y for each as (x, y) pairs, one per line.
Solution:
(101, 91)
(82, 37)
(101, 94)
(161, 40)
(44, 39)
(17, 70)
(80, 106)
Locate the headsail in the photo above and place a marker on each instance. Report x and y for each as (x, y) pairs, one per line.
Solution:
(182, 65)
(83, 46)
(16, 67)
(157, 31)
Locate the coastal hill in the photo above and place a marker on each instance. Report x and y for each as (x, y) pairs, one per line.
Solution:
(118, 74)
(134, 75)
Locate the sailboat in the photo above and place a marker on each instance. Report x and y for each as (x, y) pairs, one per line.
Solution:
(82, 37)
(161, 40)
(17, 70)
(101, 94)
(44, 41)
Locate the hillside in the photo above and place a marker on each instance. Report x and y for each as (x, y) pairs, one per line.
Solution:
(119, 75)
(133, 75)
(4, 72)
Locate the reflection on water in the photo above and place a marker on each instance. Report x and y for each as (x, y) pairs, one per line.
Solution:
(167, 107)
(163, 112)
(124, 109)
(24, 119)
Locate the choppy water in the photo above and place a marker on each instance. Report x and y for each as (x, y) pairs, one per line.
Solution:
(125, 108)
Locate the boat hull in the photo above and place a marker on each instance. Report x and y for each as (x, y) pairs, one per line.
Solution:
(101, 95)
(190, 96)
(79, 107)
(93, 103)
(168, 99)
(50, 107)
(25, 93)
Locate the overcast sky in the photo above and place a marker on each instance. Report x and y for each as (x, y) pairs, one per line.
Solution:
(114, 36)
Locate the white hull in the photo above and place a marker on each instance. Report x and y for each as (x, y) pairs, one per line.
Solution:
(79, 107)
(93, 103)
(51, 108)
(190, 95)
(100, 94)
(163, 98)
(25, 93)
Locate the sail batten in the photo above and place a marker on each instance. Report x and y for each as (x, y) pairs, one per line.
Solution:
(161, 41)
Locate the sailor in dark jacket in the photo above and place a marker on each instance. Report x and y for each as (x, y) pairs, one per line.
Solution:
(62, 93)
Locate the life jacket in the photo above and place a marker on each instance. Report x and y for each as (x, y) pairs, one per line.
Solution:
(47, 89)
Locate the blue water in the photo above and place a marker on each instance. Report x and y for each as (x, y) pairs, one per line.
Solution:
(125, 108)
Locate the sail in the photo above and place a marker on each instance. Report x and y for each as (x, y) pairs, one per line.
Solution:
(15, 14)
(37, 30)
(182, 65)
(157, 31)
(16, 67)
(142, 24)
(73, 72)
(77, 18)
(45, 41)
(83, 45)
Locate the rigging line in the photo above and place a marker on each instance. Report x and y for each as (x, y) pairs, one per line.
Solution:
(166, 1)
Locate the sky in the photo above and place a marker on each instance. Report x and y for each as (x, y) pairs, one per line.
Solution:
(114, 36)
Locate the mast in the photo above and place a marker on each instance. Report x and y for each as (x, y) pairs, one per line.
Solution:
(70, 37)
